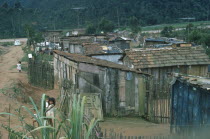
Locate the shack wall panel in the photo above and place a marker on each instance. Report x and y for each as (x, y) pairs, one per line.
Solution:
(89, 68)
(142, 95)
(122, 95)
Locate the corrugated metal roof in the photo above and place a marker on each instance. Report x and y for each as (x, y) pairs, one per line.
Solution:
(155, 40)
(201, 82)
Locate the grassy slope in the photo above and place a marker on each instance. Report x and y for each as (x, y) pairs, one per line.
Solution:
(176, 25)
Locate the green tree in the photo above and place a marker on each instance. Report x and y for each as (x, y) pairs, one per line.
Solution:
(106, 25)
(18, 5)
(195, 36)
(134, 25)
(91, 29)
(167, 31)
(190, 27)
(5, 5)
(33, 36)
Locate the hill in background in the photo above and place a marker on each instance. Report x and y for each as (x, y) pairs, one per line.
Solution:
(60, 14)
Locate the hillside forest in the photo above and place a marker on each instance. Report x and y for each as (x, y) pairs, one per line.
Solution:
(67, 14)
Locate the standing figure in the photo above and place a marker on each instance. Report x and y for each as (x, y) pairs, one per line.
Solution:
(50, 111)
(19, 66)
(34, 120)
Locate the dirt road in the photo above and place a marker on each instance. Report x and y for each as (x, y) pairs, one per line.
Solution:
(7, 61)
(9, 76)
(12, 40)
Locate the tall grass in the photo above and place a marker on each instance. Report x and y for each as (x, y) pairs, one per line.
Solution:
(70, 127)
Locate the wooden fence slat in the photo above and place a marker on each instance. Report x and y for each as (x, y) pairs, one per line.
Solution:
(41, 74)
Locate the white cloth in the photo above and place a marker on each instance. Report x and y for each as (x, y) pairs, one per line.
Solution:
(18, 66)
(50, 111)
(47, 104)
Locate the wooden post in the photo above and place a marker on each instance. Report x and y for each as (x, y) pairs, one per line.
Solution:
(142, 95)
(9, 121)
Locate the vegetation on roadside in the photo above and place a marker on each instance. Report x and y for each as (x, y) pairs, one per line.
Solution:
(6, 44)
(176, 25)
(72, 126)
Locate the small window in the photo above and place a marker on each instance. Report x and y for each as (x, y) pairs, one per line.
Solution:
(129, 76)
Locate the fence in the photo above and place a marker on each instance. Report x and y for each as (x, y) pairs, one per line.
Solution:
(158, 101)
(41, 74)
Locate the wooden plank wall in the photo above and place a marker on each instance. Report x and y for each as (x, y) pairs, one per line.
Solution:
(158, 99)
(198, 70)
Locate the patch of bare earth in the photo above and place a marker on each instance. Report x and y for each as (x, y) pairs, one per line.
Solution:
(134, 127)
(11, 79)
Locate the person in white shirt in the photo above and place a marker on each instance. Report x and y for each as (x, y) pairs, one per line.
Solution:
(47, 101)
(34, 120)
(19, 66)
(50, 111)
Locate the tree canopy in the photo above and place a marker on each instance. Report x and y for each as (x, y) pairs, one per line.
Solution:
(62, 14)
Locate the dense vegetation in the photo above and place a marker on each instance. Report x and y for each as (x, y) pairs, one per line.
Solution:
(60, 14)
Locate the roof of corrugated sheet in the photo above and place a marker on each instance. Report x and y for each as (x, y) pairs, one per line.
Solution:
(166, 57)
(155, 39)
(94, 61)
(117, 38)
(201, 82)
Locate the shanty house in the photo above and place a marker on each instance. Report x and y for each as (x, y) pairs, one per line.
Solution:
(120, 42)
(150, 42)
(52, 39)
(86, 48)
(160, 63)
(190, 105)
(52, 36)
(113, 57)
(68, 41)
(122, 89)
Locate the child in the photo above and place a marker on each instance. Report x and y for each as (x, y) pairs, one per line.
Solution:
(50, 111)
(34, 120)
(19, 66)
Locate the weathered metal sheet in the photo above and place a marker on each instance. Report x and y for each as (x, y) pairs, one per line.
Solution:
(190, 107)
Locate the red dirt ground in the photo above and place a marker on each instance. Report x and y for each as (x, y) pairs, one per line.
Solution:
(10, 76)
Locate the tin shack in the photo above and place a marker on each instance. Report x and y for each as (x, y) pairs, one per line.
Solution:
(122, 89)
